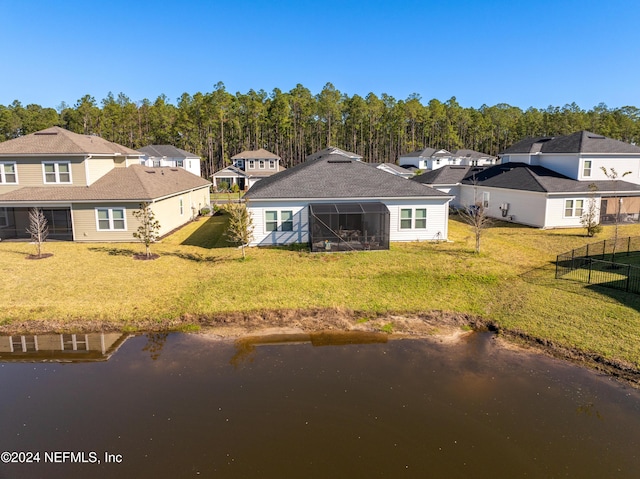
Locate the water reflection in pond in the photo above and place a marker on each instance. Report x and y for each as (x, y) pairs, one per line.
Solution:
(190, 406)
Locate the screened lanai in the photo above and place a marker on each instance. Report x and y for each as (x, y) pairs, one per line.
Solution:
(348, 226)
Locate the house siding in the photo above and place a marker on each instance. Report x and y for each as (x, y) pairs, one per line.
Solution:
(30, 172)
(97, 167)
(85, 226)
(525, 207)
(437, 217)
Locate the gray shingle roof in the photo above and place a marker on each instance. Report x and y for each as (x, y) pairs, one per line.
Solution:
(58, 141)
(121, 184)
(168, 151)
(447, 175)
(579, 142)
(471, 154)
(335, 176)
(520, 176)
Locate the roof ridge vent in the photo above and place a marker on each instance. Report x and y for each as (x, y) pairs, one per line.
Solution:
(46, 133)
(339, 161)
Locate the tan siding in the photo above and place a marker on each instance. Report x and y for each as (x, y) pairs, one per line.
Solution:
(98, 167)
(30, 171)
(86, 228)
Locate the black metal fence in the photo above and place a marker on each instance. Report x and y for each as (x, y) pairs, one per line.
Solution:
(606, 263)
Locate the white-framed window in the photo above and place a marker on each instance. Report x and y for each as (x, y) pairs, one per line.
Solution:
(180, 163)
(4, 218)
(573, 208)
(261, 164)
(278, 220)
(586, 170)
(111, 219)
(56, 172)
(8, 173)
(485, 199)
(272, 164)
(413, 218)
(181, 207)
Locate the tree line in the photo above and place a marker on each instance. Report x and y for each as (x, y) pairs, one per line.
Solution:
(294, 124)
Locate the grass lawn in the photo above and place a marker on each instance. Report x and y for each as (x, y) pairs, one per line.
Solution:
(198, 274)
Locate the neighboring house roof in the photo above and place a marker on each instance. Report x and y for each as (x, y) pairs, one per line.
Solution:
(579, 142)
(58, 141)
(475, 155)
(394, 169)
(135, 183)
(447, 175)
(260, 154)
(230, 171)
(335, 176)
(427, 153)
(168, 151)
(520, 176)
(332, 150)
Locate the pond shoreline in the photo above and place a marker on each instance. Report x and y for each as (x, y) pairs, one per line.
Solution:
(443, 326)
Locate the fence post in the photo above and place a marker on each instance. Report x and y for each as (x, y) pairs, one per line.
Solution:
(604, 247)
(628, 245)
(587, 250)
(628, 277)
(589, 277)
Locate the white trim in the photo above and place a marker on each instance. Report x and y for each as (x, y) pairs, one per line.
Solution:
(278, 221)
(56, 172)
(110, 218)
(573, 207)
(3, 173)
(413, 218)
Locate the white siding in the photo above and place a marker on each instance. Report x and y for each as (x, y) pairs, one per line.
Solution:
(565, 164)
(437, 218)
(525, 207)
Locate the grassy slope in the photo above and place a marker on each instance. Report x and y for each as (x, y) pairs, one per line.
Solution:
(511, 283)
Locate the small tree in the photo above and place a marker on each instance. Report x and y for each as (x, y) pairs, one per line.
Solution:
(612, 174)
(590, 217)
(149, 229)
(476, 217)
(240, 227)
(38, 228)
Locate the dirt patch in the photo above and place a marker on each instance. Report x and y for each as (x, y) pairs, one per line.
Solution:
(441, 326)
(144, 257)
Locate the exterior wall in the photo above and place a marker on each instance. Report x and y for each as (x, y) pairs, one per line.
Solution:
(85, 226)
(417, 161)
(192, 165)
(556, 211)
(525, 207)
(30, 172)
(620, 163)
(96, 168)
(437, 219)
(565, 164)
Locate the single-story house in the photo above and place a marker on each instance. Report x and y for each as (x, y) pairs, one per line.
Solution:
(334, 202)
(88, 188)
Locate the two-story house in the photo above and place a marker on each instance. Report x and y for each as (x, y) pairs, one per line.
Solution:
(550, 182)
(431, 159)
(248, 167)
(169, 156)
(88, 188)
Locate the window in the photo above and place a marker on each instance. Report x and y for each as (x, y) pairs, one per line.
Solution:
(416, 219)
(261, 164)
(272, 164)
(485, 199)
(272, 223)
(111, 219)
(586, 171)
(573, 208)
(287, 220)
(8, 173)
(421, 218)
(57, 172)
(252, 164)
(180, 163)
(4, 218)
(181, 207)
(405, 219)
(156, 163)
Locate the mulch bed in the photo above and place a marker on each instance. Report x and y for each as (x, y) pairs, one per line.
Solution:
(144, 257)
(40, 256)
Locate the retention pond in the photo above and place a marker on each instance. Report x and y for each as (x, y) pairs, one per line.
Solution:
(341, 406)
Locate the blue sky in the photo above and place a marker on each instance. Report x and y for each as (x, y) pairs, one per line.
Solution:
(536, 53)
